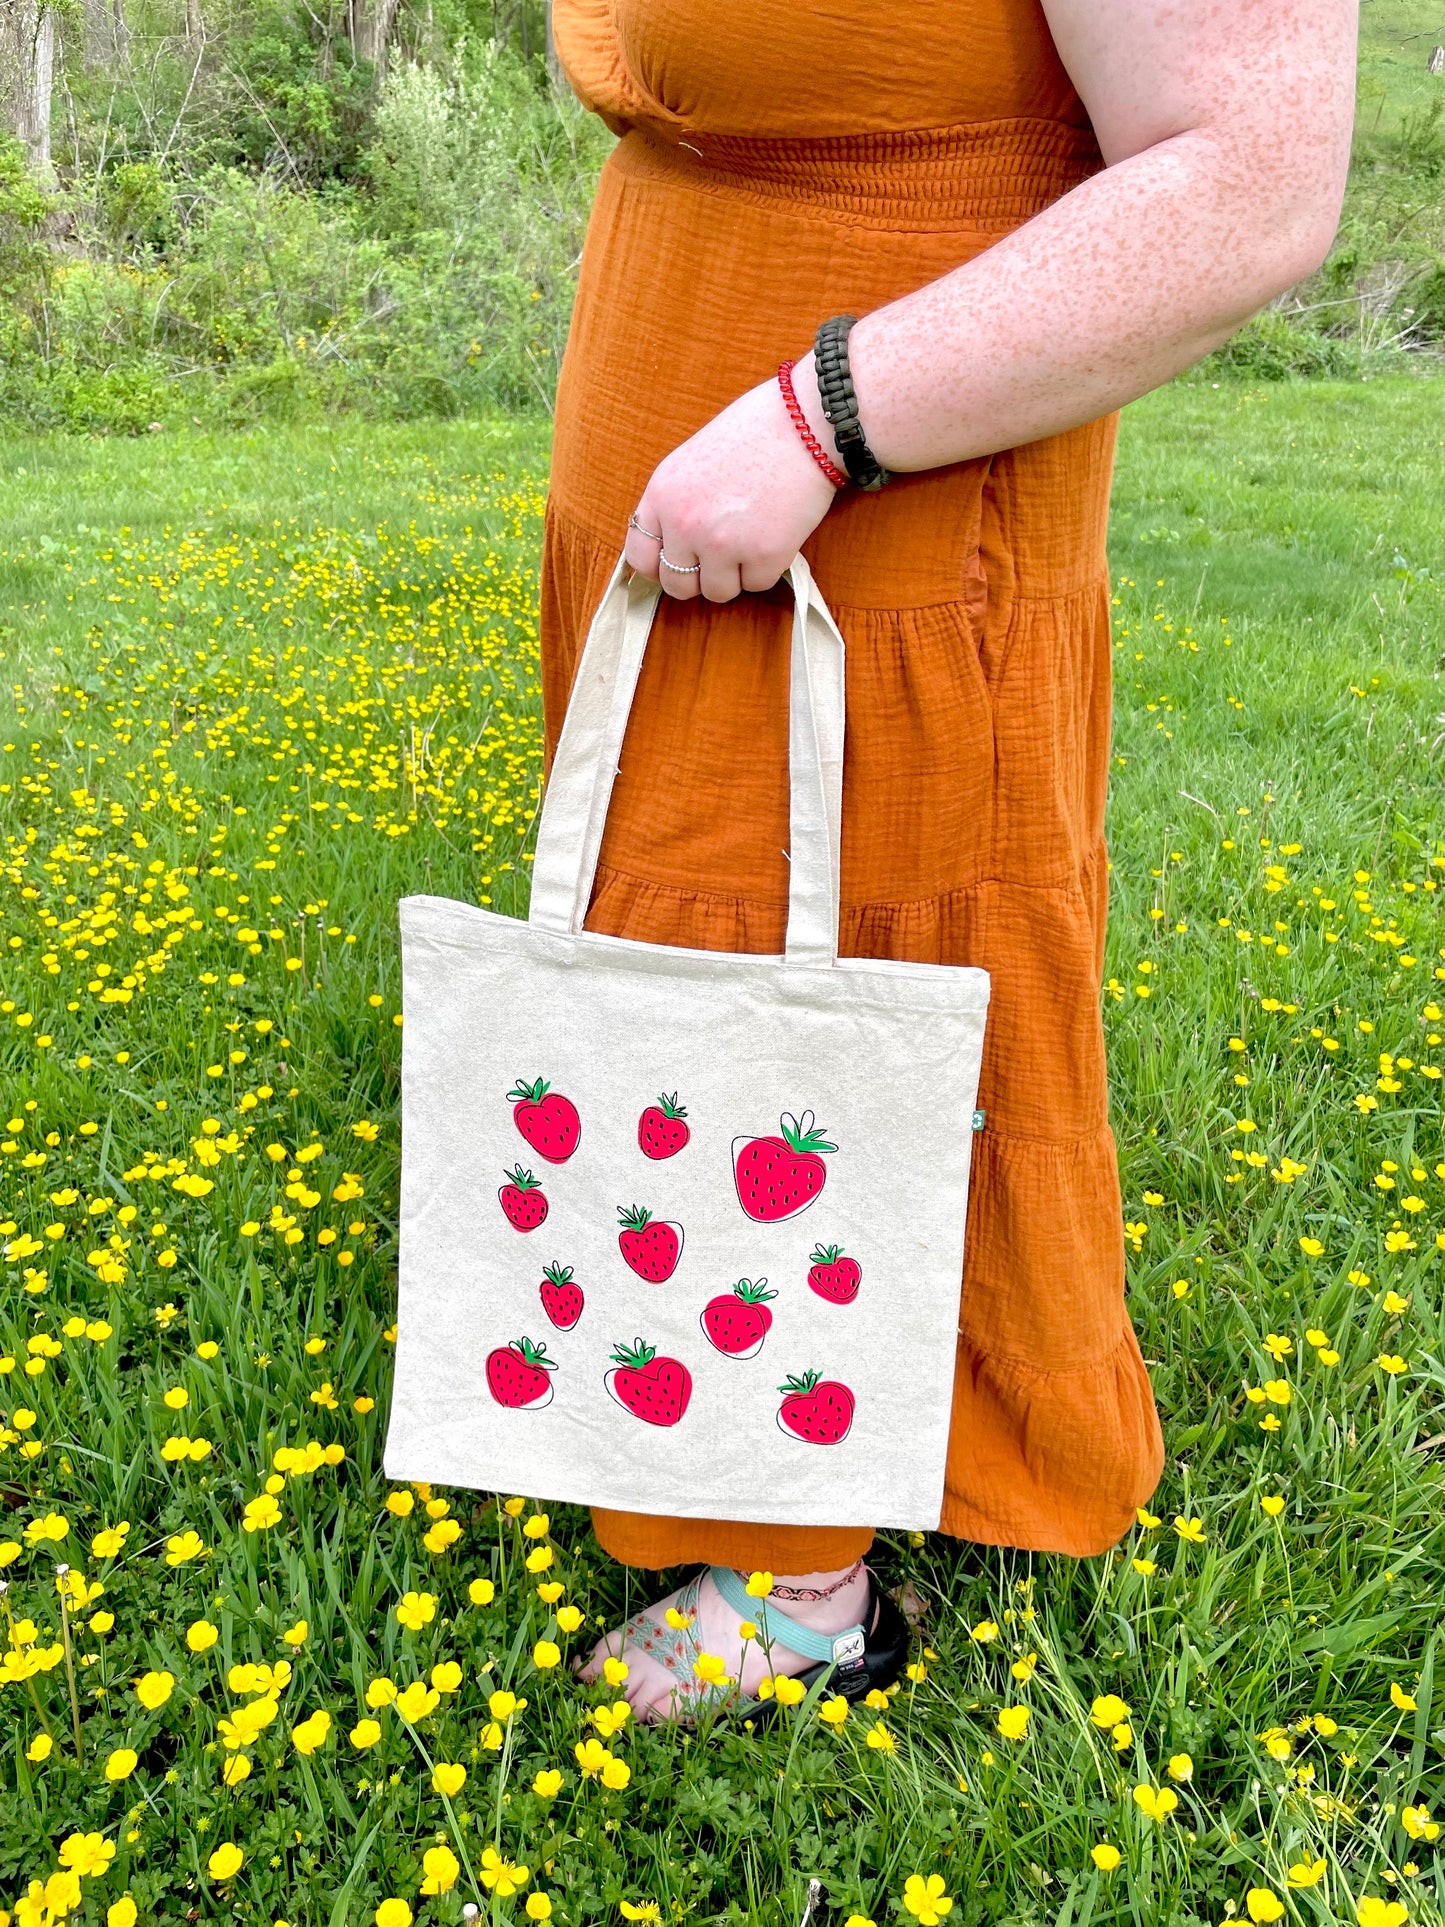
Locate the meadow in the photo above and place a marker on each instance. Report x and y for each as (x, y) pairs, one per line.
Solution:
(257, 687)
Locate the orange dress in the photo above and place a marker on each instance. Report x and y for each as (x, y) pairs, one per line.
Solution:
(778, 165)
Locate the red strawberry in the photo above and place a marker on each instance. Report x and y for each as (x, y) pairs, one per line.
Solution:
(561, 1299)
(653, 1389)
(549, 1124)
(738, 1321)
(777, 1177)
(517, 1375)
(661, 1132)
(833, 1276)
(652, 1250)
(522, 1200)
(819, 1411)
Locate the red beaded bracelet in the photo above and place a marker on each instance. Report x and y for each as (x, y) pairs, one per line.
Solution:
(800, 421)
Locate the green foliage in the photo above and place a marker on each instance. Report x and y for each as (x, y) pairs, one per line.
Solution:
(346, 616)
(23, 259)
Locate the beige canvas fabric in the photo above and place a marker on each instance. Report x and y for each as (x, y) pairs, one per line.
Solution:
(774, 1340)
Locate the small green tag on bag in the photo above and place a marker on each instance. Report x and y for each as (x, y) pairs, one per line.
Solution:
(978, 1120)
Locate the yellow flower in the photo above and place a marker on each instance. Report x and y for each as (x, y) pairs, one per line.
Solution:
(539, 1558)
(759, 1585)
(550, 1591)
(1013, 1722)
(1181, 1767)
(448, 1778)
(514, 1508)
(647, 1910)
(710, 1669)
(1105, 1857)
(1312, 1248)
(548, 1783)
(615, 1671)
(1392, 1363)
(1023, 1669)
(1305, 1873)
(1272, 1504)
(880, 1739)
(925, 1898)
(503, 1704)
(1190, 1529)
(789, 1691)
(53, 1526)
(154, 1689)
(1108, 1709)
(121, 1913)
(443, 1534)
(1400, 1699)
(859, 1920)
(235, 1769)
(834, 1711)
(441, 1867)
(381, 1692)
(1262, 1904)
(447, 1676)
(984, 1631)
(1374, 1912)
(89, 1854)
(121, 1763)
(1157, 1802)
(500, 1876)
(611, 1719)
(393, 1913)
(417, 1609)
(177, 1398)
(400, 1503)
(260, 1513)
(615, 1774)
(109, 1543)
(569, 1618)
(295, 1636)
(482, 1592)
(41, 1747)
(1146, 1519)
(225, 1861)
(201, 1636)
(538, 1526)
(539, 1907)
(546, 1653)
(365, 1733)
(1145, 1566)
(591, 1757)
(310, 1735)
(416, 1701)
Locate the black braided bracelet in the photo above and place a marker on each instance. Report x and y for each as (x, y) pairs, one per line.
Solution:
(840, 404)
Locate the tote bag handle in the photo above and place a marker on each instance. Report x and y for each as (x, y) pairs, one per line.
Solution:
(574, 813)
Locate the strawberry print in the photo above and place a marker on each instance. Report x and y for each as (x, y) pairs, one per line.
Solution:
(661, 1130)
(654, 1389)
(834, 1276)
(522, 1200)
(550, 1124)
(561, 1299)
(816, 1410)
(517, 1375)
(777, 1177)
(736, 1323)
(650, 1246)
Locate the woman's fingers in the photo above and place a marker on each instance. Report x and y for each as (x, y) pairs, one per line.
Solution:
(643, 543)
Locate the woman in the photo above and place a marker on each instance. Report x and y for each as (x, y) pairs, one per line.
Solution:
(1039, 209)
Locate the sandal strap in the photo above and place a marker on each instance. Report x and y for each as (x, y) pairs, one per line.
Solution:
(781, 1629)
(675, 1649)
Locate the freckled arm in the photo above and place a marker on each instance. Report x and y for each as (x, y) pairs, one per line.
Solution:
(1225, 128)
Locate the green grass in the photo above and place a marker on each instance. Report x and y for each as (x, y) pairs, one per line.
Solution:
(204, 640)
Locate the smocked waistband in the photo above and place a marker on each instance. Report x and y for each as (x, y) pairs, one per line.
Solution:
(989, 175)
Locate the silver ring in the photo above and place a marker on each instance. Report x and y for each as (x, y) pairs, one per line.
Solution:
(678, 568)
(633, 523)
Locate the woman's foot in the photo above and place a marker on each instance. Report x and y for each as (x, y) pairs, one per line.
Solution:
(838, 1600)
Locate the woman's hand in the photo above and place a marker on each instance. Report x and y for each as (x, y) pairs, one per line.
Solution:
(740, 497)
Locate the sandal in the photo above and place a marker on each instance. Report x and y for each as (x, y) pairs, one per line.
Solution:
(860, 1659)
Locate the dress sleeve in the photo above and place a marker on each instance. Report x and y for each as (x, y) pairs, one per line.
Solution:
(591, 57)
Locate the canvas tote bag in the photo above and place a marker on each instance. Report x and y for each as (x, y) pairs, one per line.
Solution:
(681, 1231)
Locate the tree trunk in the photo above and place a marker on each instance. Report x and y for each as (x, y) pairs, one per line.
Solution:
(27, 73)
(554, 65)
(195, 26)
(369, 24)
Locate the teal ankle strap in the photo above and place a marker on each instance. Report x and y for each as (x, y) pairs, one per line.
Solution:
(781, 1629)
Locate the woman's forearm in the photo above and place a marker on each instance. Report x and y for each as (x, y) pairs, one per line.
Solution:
(1142, 269)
